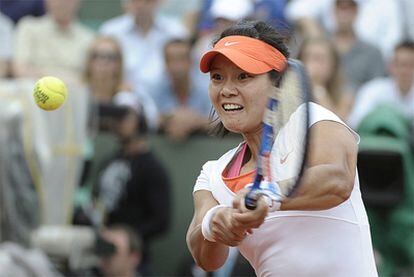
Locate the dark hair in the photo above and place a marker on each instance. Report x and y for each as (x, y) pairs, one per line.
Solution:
(406, 44)
(177, 41)
(258, 30)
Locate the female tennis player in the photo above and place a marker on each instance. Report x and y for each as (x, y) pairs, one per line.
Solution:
(320, 231)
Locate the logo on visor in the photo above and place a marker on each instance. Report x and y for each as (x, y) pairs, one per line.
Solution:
(230, 43)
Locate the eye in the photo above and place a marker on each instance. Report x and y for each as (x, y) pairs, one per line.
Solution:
(216, 77)
(244, 75)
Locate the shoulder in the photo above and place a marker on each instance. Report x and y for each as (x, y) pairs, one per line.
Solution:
(116, 24)
(30, 22)
(376, 88)
(150, 159)
(171, 26)
(322, 117)
(83, 31)
(318, 113)
(5, 22)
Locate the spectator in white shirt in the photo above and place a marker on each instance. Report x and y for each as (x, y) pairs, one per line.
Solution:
(142, 35)
(6, 33)
(397, 90)
(379, 22)
(361, 61)
(53, 44)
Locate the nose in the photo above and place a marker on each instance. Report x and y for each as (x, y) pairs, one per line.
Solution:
(229, 89)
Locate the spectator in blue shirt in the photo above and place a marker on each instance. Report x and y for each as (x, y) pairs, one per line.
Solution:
(16, 9)
(183, 104)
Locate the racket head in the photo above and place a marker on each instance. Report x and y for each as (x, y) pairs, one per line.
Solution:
(286, 128)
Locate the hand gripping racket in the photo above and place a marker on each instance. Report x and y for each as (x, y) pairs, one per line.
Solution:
(284, 143)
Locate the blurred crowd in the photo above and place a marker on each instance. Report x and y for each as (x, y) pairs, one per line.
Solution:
(137, 74)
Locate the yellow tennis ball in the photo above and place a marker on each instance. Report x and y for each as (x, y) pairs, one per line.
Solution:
(49, 93)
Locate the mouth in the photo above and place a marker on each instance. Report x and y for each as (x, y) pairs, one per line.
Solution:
(232, 107)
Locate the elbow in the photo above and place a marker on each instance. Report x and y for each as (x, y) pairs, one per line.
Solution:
(343, 187)
(206, 264)
(208, 267)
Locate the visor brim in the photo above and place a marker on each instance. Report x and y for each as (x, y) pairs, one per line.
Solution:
(240, 59)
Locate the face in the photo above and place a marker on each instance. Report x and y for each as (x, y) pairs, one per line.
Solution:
(402, 67)
(63, 11)
(319, 62)
(177, 59)
(123, 261)
(345, 14)
(105, 59)
(238, 97)
(143, 8)
(127, 127)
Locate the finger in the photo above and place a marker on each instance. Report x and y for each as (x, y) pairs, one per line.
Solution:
(227, 238)
(259, 213)
(223, 226)
(251, 219)
(238, 201)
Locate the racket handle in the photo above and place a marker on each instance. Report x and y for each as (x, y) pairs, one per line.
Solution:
(250, 201)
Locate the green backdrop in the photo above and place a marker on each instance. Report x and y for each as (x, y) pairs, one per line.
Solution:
(184, 162)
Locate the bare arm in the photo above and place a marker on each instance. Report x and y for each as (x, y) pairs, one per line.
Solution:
(229, 227)
(207, 255)
(329, 177)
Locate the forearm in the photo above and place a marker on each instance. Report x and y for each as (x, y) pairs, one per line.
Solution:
(322, 187)
(208, 255)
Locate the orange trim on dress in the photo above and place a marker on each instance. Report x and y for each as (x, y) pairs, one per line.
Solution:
(239, 182)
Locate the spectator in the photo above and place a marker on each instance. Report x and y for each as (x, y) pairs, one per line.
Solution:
(269, 11)
(128, 251)
(183, 104)
(224, 14)
(52, 44)
(103, 72)
(398, 89)
(16, 9)
(323, 64)
(142, 35)
(134, 187)
(6, 34)
(361, 61)
(378, 22)
(272, 12)
(104, 77)
(407, 7)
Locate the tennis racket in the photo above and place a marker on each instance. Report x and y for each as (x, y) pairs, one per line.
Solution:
(284, 142)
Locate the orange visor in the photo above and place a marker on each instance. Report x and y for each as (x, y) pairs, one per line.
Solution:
(251, 55)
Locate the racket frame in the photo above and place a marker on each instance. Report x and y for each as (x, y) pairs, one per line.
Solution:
(268, 136)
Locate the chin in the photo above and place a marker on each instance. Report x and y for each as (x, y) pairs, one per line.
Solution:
(234, 129)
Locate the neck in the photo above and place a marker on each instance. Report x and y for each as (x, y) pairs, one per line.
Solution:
(136, 146)
(345, 32)
(103, 88)
(144, 23)
(181, 89)
(253, 141)
(125, 273)
(404, 89)
(344, 39)
(62, 24)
